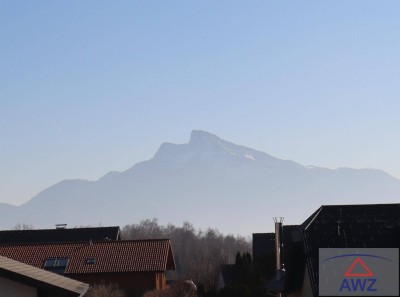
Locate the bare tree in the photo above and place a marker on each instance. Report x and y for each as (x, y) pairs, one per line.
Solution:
(23, 226)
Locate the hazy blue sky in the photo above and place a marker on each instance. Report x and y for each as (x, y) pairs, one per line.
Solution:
(87, 87)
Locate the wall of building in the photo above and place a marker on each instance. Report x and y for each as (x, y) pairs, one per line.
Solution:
(306, 290)
(9, 288)
(161, 281)
(132, 283)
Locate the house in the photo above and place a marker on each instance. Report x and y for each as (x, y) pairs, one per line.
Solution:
(332, 226)
(60, 234)
(134, 265)
(226, 276)
(21, 280)
(264, 250)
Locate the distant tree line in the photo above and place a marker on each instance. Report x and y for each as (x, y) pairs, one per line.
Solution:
(198, 254)
(23, 226)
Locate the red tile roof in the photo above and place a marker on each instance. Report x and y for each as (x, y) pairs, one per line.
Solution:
(110, 256)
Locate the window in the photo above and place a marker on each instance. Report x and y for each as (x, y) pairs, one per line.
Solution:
(57, 265)
(90, 261)
(50, 263)
(62, 262)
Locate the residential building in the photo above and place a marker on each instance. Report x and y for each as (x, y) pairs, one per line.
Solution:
(60, 234)
(134, 265)
(331, 226)
(21, 280)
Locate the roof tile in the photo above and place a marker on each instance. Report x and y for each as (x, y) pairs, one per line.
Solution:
(110, 256)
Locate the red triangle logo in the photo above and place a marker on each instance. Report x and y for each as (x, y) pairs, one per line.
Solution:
(367, 270)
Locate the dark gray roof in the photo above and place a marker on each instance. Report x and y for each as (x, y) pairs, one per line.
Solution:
(41, 279)
(59, 235)
(228, 273)
(349, 226)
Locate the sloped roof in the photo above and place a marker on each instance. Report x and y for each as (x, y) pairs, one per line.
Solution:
(228, 273)
(41, 279)
(349, 226)
(59, 235)
(109, 256)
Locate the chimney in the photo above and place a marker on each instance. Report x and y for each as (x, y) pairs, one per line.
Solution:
(61, 226)
(278, 243)
(279, 265)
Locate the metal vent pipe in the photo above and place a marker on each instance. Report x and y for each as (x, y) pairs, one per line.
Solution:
(280, 267)
(278, 243)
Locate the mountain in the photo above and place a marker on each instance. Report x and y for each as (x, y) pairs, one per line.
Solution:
(209, 182)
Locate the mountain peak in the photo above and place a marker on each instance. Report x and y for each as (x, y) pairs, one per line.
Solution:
(201, 142)
(199, 137)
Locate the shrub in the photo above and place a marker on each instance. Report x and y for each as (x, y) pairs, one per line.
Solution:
(179, 289)
(105, 290)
